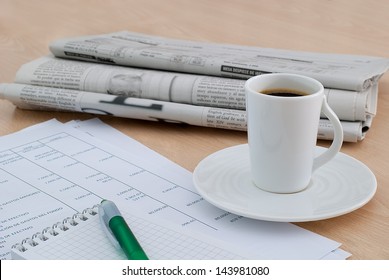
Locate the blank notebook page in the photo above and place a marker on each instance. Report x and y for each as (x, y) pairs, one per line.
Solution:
(87, 240)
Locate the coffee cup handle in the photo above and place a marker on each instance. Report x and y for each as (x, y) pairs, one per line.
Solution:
(338, 137)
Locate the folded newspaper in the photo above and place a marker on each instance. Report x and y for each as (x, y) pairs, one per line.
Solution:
(173, 86)
(180, 94)
(146, 51)
(50, 98)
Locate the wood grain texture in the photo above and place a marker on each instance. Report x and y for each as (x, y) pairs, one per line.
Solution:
(339, 26)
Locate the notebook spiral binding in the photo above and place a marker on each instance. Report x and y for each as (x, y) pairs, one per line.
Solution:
(55, 229)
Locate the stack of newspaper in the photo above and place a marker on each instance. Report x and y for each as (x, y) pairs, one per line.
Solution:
(146, 77)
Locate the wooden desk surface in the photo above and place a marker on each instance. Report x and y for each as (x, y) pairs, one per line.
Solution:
(339, 26)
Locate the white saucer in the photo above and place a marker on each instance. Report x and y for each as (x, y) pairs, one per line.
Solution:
(342, 185)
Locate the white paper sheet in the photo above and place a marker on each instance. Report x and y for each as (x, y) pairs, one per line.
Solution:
(95, 127)
(52, 171)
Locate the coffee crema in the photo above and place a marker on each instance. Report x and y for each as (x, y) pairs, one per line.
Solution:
(283, 92)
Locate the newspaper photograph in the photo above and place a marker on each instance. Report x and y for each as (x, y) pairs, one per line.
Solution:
(209, 91)
(350, 72)
(50, 98)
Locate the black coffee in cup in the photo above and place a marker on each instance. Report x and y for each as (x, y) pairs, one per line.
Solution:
(283, 92)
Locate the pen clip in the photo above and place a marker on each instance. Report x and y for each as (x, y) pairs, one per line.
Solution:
(104, 220)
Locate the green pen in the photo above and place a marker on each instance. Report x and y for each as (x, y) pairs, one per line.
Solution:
(118, 231)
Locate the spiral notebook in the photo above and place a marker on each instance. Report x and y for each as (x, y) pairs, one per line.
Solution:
(81, 237)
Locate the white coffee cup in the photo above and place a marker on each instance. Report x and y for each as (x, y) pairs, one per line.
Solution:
(282, 131)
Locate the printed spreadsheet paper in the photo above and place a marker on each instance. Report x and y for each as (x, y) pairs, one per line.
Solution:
(102, 131)
(52, 171)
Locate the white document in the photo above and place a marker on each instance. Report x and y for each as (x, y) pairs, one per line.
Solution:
(102, 131)
(53, 171)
